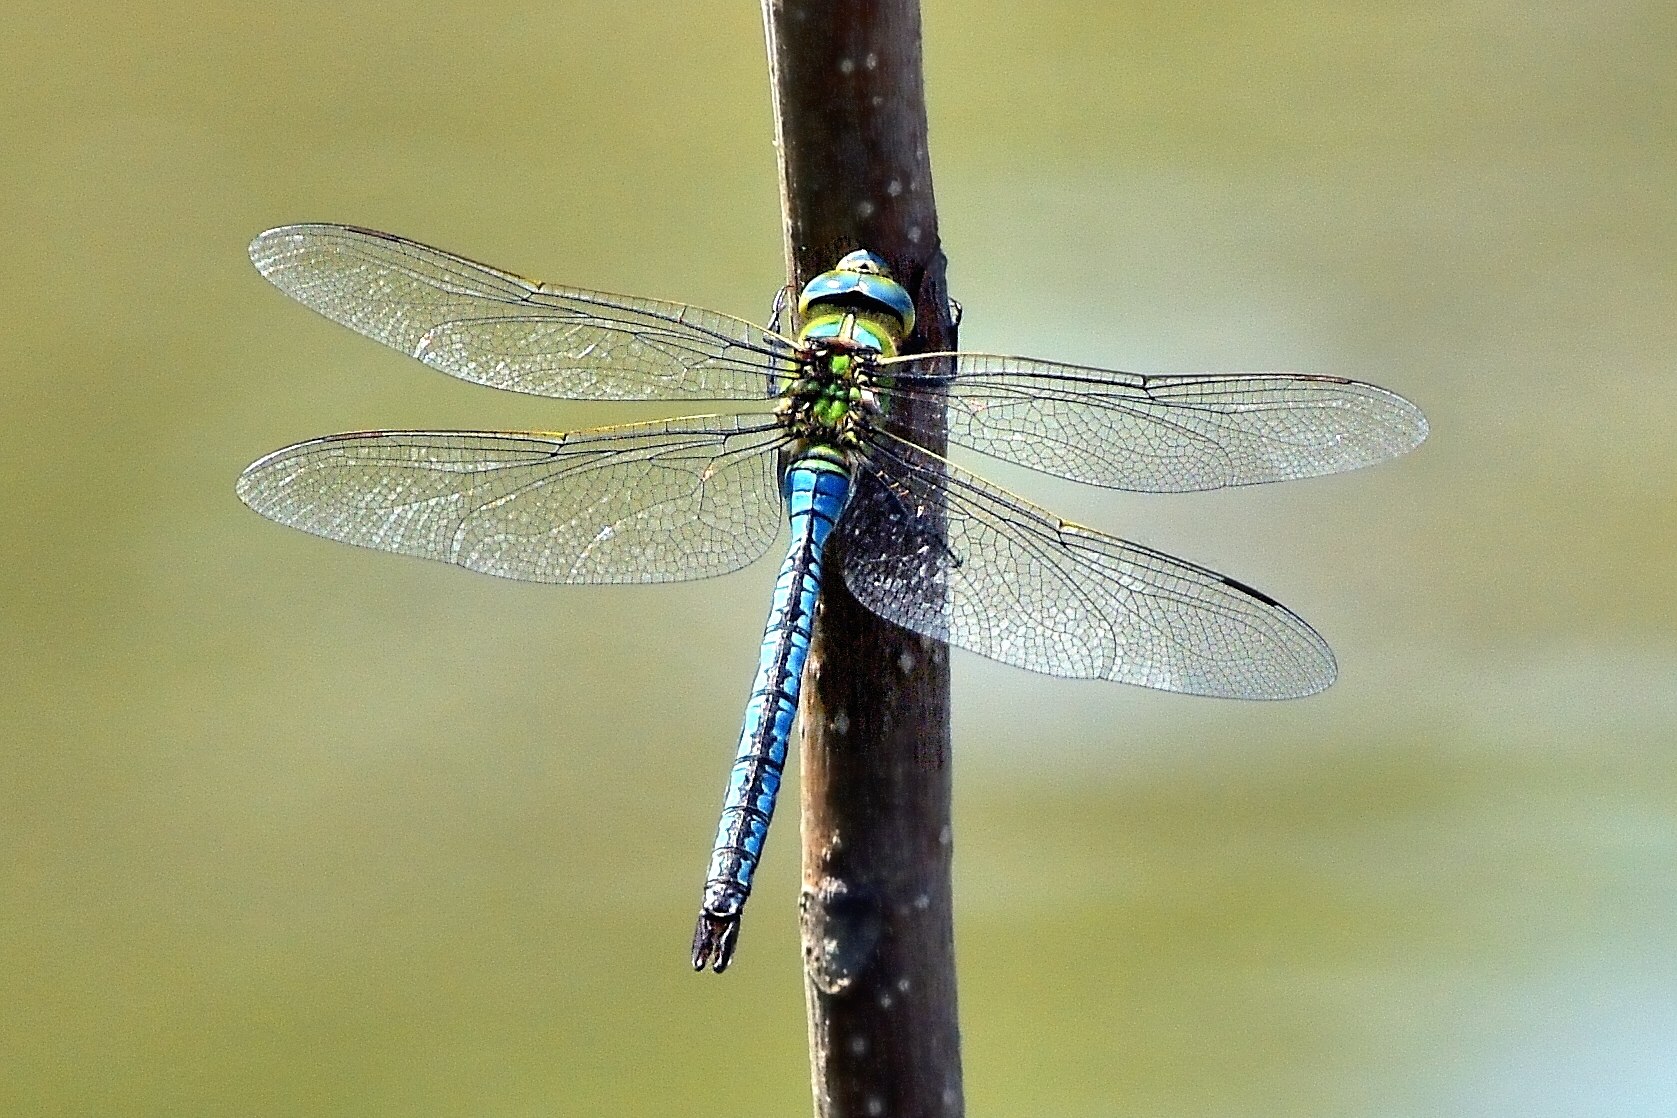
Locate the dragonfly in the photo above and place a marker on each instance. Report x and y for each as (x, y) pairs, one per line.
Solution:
(834, 442)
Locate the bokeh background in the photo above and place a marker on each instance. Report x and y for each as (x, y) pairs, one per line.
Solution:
(296, 829)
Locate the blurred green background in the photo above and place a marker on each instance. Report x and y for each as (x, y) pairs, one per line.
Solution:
(296, 829)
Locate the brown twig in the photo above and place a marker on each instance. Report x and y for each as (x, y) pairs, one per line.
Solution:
(878, 936)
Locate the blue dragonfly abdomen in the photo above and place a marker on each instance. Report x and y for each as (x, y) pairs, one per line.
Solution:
(816, 488)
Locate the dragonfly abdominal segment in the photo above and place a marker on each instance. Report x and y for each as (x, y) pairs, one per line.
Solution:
(921, 542)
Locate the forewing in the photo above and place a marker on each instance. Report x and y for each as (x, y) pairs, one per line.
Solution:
(647, 502)
(492, 327)
(1158, 434)
(1018, 585)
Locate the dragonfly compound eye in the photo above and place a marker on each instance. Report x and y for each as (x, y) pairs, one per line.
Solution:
(860, 282)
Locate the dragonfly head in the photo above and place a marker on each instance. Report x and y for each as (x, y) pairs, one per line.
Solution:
(860, 281)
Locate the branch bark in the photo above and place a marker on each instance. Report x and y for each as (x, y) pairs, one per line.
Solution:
(878, 939)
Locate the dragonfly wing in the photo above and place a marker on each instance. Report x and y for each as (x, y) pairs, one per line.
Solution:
(646, 502)
(1019, 585)
(491, 327)
(1159, 434)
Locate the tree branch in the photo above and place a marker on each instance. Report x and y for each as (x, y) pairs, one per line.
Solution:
(879, 966)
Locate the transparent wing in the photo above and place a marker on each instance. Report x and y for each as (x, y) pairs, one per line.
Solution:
(491, 327)
(1159, 434)
(1021, 586)
(646, 502)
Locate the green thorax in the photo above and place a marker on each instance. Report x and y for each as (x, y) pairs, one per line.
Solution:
(852, 316)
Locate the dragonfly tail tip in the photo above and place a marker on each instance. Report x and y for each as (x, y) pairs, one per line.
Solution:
(713, 941)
